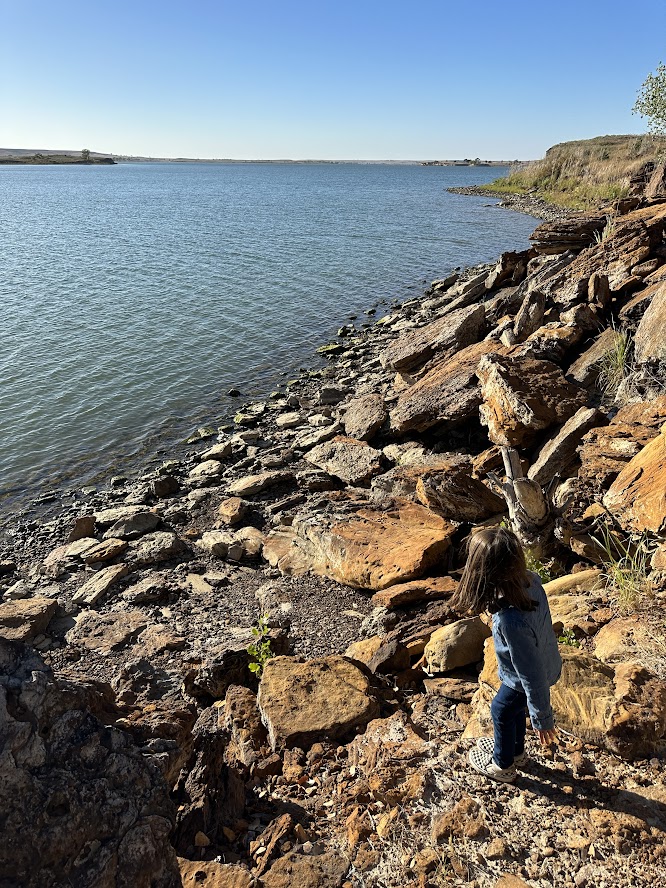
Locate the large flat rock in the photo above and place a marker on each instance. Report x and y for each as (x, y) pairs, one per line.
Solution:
(443, 337)
(352, 461)
(303, 701)
(25, 619)
(650, 338)
(448, 392)
(372, 549)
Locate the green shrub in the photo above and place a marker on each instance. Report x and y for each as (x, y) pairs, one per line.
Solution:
(260, 649)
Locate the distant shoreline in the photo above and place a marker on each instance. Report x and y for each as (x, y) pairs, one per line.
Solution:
(54, 159)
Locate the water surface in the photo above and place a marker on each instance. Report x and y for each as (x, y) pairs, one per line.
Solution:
(134, 296)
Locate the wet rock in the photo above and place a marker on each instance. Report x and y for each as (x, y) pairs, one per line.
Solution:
(251, 485)
(558, 456)
(219, 452)
(444, 338)
(449, 392)
(155, 548)
(522, 396)
(365, 416)
(99, 584)
(372, 550)
(105, 551)
(650, 338)
(352, 461)
(305, 701)
(637, 497)
(105, 633)
(81, 804)
(455, 645)
(25, 620)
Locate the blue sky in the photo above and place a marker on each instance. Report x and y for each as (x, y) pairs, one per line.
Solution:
(366, 79)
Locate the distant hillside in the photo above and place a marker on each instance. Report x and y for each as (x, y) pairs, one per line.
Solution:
(586, 173)
(45, 156)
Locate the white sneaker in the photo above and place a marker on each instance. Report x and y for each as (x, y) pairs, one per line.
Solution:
(482, 762)
(487, 744)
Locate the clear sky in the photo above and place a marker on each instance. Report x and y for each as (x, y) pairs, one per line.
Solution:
(336, 79)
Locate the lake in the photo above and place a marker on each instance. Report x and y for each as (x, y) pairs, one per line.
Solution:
(135, 296)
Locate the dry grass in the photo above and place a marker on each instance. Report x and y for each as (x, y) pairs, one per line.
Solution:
(584, 174)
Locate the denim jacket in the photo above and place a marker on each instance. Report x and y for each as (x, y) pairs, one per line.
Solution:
(528, 656)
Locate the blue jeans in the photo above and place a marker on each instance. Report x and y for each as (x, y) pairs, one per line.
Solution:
(508, 712)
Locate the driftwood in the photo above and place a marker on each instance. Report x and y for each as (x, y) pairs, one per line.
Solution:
(529, 511)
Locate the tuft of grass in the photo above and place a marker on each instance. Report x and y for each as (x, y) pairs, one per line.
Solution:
(614, 365)
(607, 232)
(626, 572)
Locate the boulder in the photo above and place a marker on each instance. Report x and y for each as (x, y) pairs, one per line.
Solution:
(218, 662)
(251, 485)
(352, 461)
(455, 645)
(106, 517)
(305, 701)
(99, 584)
(619, 639)
(637, 497)
(133, 526)
(81, 805)
(155, 548)
(148, 590)
(448, 392)
(530, 315)
(84, 526)
(24, 620)
(206, 470)
(365, 416)
(105, 633)
(373, 549)
(650, 338)
(218, 451)
(220, 543)
(571, 233)
(522, 397)
(443, 338)
(232, 510)
(428, 589)
(327, 870)
(551, 342)
(558, 456)
(289, 420)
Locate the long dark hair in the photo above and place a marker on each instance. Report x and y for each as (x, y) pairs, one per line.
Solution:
(495, 575)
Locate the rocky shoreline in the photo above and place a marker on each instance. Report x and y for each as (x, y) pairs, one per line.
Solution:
(521, 203)
(337, 509)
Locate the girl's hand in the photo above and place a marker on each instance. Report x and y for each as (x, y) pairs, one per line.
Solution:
(547, 737)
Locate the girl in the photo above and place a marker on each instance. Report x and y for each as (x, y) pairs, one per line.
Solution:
(496, 579)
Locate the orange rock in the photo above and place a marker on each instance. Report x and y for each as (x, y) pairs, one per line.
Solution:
(637, 497)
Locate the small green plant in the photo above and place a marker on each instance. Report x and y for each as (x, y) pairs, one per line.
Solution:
(567, 637)
(614, 365)
(260, 649)
(626, 571)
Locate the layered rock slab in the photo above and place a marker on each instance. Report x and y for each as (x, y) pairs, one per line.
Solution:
(523, 396)
(302, 701)
(373, 549)
(352, 461)
(637, 497)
